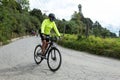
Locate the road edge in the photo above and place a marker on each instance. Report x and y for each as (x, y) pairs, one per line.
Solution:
(14, 39)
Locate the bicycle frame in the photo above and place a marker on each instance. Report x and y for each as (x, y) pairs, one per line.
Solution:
(49, 46)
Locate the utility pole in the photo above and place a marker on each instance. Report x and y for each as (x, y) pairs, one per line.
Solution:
(87, 25)
(81, 16)
(80, 8)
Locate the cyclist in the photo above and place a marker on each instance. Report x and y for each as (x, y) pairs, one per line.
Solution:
(46, 27)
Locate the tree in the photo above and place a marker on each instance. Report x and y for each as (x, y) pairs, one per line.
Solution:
(77, 18)
(105, 33)
(37, 13)
(24, 4)
(14, 20)
(96, 29)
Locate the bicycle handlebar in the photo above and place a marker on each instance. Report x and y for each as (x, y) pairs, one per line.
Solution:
(54, 38)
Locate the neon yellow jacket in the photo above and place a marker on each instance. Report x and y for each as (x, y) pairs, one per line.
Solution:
(47, 25)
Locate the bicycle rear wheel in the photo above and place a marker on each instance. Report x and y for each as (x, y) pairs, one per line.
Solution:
(37, 51)
(54, 59)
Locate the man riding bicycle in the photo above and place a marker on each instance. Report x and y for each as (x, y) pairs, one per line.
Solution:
(46, 27)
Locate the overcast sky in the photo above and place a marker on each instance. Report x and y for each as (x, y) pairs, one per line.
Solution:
(106, 12)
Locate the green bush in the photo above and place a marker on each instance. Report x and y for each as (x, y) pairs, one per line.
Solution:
(3, 39)
(109, 47)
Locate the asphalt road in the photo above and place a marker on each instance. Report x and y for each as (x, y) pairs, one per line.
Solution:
(17, 63)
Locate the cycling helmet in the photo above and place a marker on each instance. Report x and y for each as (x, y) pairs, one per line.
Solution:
(51, 16)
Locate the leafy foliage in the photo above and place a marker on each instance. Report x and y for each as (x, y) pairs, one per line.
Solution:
(38, 14)
(15, 21)
(109, 47)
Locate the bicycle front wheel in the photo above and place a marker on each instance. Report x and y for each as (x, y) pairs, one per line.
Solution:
(54, 59)
(37, 51)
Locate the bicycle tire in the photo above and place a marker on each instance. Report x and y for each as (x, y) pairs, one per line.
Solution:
(56, 52)
(38, 47)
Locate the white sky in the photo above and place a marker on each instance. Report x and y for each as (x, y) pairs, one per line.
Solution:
(106, 12)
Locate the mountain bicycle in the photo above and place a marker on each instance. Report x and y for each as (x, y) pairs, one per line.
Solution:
(52, 55)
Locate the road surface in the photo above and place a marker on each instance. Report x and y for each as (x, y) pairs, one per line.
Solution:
(17, 63)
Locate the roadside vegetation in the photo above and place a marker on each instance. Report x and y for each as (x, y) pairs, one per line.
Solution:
(109, 47)
(16, 20)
